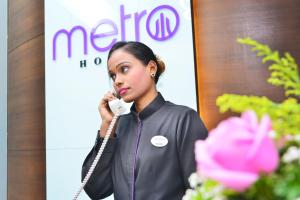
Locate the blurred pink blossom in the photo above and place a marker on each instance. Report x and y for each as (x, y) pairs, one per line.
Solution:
(237, 151)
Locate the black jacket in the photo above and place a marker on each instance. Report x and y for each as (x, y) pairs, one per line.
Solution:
(133, 168)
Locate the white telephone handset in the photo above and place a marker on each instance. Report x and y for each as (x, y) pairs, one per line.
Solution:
(117, 108)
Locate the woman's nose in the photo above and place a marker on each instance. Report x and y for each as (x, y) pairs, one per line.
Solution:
(118, 80)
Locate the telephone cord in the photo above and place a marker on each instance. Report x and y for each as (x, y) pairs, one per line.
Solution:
(97, 158)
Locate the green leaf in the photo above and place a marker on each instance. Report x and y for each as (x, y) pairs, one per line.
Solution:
(284, 70)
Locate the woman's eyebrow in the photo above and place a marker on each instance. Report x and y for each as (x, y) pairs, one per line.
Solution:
(121, 63)
(118, 65)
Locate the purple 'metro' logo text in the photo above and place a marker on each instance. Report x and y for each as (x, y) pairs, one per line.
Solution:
(158, 26)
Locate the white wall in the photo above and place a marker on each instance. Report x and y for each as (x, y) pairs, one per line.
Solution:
(3, 99)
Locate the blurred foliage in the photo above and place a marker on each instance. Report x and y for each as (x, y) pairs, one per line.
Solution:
(284, 72)
(285, 116)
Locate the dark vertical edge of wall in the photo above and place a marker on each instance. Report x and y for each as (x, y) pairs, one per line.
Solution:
(195, 16)
(3, 99)
(26, 176)
(193, 5)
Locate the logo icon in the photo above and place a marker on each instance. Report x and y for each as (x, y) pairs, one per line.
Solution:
(163, 29)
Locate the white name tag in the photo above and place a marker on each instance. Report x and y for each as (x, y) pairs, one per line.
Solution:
(159, 141)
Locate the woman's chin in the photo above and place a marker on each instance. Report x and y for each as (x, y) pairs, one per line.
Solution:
(127, 99)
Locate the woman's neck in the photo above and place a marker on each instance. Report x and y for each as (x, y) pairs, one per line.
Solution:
(145, 100)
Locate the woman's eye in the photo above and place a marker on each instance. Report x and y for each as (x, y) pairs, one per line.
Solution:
(113, 77)
(124, 69)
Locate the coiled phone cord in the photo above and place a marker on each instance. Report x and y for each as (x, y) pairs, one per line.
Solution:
(97, 158)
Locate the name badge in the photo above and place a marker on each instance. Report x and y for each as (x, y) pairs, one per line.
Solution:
(159, 141)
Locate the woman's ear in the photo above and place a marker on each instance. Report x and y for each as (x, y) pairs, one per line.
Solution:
(152, 67)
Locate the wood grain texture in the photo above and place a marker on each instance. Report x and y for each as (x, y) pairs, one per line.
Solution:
(25, 21)
(26, 179)
(26, 96)
(227, 67)
(26, 101)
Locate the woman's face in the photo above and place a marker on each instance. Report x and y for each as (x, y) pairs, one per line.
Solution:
(130, 76)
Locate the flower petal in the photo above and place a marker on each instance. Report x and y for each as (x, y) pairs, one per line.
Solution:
(235, 180)
(202, 156)
(263, 154)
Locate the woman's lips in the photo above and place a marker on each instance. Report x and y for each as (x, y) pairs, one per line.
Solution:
(123, 91)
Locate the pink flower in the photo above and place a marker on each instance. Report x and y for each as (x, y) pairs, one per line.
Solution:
(237, 151)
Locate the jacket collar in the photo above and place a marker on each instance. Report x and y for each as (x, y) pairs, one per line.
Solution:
(151, 108)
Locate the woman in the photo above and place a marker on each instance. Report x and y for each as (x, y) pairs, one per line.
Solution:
(134, 165)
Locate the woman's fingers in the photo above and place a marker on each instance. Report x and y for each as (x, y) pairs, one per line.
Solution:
(103, 107)
(108, 97)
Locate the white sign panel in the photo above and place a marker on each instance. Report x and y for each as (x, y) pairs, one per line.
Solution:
(78, 36)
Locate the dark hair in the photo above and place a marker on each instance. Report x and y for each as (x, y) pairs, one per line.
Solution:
(140, 51)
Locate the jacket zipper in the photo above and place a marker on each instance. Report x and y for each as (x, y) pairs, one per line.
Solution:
(139, 130)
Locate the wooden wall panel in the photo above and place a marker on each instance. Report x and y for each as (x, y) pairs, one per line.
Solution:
(227, 67)
(26, 101)
(26, 179)
(25, 21)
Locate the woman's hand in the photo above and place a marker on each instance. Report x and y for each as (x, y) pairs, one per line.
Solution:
(105, 112)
